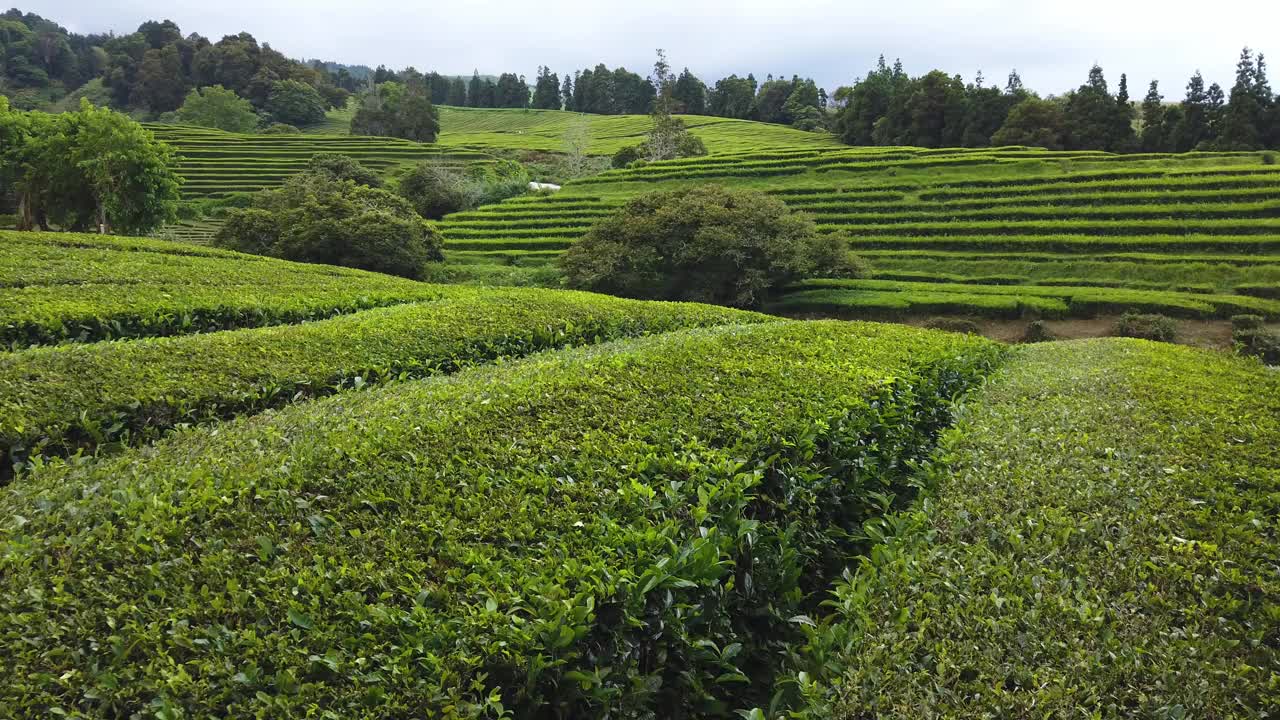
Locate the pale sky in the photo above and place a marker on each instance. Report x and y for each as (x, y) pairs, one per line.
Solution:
(1052, 43)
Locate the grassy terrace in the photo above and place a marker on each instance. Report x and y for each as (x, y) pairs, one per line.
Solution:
(215, 163)
(1003, 232)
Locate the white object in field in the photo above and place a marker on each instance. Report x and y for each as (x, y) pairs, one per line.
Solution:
(543, 186)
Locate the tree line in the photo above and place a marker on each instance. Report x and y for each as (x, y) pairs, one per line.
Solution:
(888, 107)
(154, 69)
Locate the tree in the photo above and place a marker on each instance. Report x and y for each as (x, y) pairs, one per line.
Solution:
(1155, 136)
(669, 138)
(295, 103)
(690, 94)
(396, 110)
(218, 107)
(566, 93)
(546, 90)
(511, 91)
(89, 168)
(343, 167)
(1239, 129)
(1095, 119)
(701, 244)
(457, 93)
(161, 83)
(1193, 128)
(435, 190)
(474, 89)
(1033, 123)
(733, 97)
(319, 219)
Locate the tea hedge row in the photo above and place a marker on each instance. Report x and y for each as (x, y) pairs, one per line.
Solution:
(133, 288)
(61, 399)
(630, 529)
(1068, 565)
(1015, 300)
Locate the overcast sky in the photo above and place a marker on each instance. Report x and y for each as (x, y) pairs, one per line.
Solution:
(1052, 43)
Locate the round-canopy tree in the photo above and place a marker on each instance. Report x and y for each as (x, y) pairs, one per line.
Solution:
(703, 244)
(318, 218)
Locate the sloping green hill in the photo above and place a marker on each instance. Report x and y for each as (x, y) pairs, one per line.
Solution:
(515, 129)
(1002, 232)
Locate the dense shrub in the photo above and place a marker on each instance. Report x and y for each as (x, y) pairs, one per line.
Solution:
(1260, 343)
(705, 244)
(1268, 158)
(315, 218)
(953, 324)
(632, 530)
(296, 103)
(279, 128)
(436, 190)
(626, 155)
(218, 107)
(396, 110)
(343, 167)
(1036, 332)
(1099, 541)
(1247, 322)
(1147, 326)
(62, 399)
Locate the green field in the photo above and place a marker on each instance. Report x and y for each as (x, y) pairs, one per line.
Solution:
(1010, 232)
(240, 487)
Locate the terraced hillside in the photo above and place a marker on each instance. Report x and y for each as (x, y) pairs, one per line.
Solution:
(324, 492)
(1009, 232)
(214, 163)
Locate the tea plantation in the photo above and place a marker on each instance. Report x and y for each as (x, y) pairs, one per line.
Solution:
(1007, 232)
(241, 487)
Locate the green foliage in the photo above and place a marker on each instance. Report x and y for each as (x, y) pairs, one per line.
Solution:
(295, 103)
(320, 218)
(611, 518)
(59, 400)
(133, 287)
(1261, 343)
(436, 190)
(626, 155)
(217, 107)
(1096, 540)
(91, 168)
(1034, 123)
(337, 166)
(955, 325)
(394, 110)
(1036, 332)
(705, 244)
(1147, 326)
(279, 128)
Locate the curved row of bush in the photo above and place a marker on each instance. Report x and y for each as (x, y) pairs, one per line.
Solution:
(59, 399)
(632, 529)
(134, 288)
(1000, 300)
(1069, 565)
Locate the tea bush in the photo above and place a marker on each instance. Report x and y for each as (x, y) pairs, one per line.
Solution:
(1099, 540)
(632, 529)
(1147, 326)
(57, 400)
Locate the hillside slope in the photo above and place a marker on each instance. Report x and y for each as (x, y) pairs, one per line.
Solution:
(1008, 232)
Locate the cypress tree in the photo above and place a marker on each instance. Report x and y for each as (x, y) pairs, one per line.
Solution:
(566, 92)
(474, 90)
(1240, 122)
(1153, 130)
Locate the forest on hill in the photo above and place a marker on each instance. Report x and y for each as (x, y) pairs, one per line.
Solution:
(154, 71)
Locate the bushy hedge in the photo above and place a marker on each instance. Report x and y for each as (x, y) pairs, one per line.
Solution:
(321, 217)
(1099, 541)
(633, 529)
(57, 400)
(133, 287)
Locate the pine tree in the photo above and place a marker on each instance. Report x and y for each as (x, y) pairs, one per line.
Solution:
(1240, 121)
(566, 92)
(1194, 128)
(546, 91)
(1153, 130)
(1014, 86)
(474, 90)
